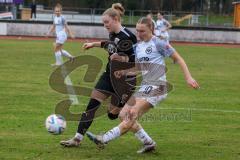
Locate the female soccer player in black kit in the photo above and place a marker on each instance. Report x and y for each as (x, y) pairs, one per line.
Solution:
(119, 40)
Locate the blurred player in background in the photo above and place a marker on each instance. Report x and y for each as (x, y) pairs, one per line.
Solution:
(162, 27)
(62, 30)
(150, 53)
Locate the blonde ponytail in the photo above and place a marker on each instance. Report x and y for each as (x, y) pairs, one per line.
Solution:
(116, 11)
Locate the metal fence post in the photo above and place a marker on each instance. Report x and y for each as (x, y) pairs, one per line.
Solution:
(93, 15)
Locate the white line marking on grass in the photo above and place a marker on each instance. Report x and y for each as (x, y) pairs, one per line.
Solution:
(204, 110)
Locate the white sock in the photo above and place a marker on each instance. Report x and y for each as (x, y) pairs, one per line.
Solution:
(79, 136)
(112, 134)
(143, 137)
(58, 57)
(66, 54)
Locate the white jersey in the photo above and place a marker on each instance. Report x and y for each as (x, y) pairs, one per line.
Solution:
(150, 57)
(59, 23)
(161, 26)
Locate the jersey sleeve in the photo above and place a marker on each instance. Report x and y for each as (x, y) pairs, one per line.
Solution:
(169, 50)
(164, 48)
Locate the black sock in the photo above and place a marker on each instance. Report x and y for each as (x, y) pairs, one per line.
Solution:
(88, 116)
(112, 116)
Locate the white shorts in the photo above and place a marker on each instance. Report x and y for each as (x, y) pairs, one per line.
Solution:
(61, 37)
(152, 94)
(163, 35)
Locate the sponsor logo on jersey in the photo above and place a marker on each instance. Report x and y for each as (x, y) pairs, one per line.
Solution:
(112, 49)
(116, 40)
(143, 59)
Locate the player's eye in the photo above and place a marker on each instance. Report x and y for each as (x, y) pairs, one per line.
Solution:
(140, 31)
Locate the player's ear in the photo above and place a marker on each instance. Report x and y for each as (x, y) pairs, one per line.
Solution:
(149, 30)
(115, 19)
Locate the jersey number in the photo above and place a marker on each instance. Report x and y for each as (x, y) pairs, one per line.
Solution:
(148, 89)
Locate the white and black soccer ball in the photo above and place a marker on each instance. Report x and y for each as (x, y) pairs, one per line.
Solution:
(55, 124)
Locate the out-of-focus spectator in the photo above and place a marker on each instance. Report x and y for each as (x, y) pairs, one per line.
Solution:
(33, 9)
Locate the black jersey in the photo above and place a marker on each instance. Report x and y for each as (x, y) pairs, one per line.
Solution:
(121, 43)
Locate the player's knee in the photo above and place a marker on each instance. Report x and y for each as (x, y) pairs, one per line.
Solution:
(133, 114)
(127, 125)
(123, 115)
(112, 116)
(56, 50)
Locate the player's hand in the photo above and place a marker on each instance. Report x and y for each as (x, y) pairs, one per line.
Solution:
(87, 46)
(116, 57)
(161, 37)
(119, 74)
(192, 83)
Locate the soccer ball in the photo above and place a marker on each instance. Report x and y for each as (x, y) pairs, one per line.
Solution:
(55, 124)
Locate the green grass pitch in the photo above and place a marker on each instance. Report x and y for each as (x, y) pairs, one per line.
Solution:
(190, 124)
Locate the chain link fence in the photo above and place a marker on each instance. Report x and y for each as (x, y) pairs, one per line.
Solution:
(93, 15)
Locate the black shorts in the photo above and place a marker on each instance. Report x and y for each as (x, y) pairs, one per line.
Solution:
(105, 86)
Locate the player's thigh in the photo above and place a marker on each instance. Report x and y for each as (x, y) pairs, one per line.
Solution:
(125, 112)
(140, 107)
(98, 95)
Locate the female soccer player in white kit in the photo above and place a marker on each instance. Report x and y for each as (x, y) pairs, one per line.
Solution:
(162, 27)
(150, 53)
(60, 26)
